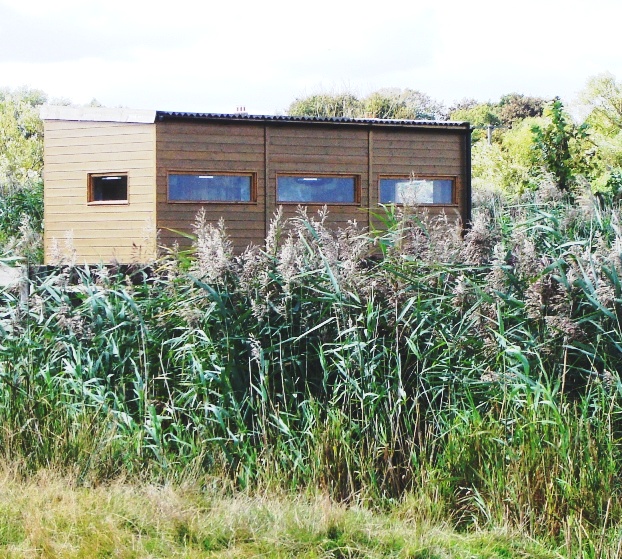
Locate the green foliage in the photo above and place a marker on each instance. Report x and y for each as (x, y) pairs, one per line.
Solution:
(402, 104)
(21, 221)
(515, 107)
(608, 186)
(18, 204)
(558, 146)
(507, 165)
(384, 103)
(602, 98)
(378, 105)
(480, 116)
(478, 376)
(21, 163)
(512, 110)
(21, 139)
(326, 105)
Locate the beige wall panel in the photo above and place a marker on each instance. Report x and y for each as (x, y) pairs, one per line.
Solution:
(127, 150)
(60, 129)
(101, 232)
(139, 176)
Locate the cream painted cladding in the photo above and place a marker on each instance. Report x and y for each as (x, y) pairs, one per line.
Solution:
(100, 231)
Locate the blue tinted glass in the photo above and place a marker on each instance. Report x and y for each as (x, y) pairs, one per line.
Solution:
(316, 189)
(443, 192)
(209, 188)
(416, 191)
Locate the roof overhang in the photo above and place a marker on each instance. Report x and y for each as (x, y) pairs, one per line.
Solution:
(96, 114)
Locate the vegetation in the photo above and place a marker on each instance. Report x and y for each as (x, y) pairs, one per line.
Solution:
(475, 379)
(405, 376)
(385, 103)
(21, 163)
(49, 516)
(559, 146)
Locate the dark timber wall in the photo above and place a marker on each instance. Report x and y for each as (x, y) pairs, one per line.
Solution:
(268, 148)
(215, 147)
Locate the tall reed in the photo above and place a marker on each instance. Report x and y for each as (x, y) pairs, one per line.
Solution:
(477, 377)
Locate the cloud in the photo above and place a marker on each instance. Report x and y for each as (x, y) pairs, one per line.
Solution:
(208, 56)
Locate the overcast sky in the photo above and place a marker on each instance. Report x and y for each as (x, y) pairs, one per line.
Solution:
(214, 56)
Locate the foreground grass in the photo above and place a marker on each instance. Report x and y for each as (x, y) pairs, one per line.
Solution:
(49, 516)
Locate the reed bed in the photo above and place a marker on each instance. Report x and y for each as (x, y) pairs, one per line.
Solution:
(472, 380)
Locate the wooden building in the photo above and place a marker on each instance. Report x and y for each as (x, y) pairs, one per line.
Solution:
(115, 176)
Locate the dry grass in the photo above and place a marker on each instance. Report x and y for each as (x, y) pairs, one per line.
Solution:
(49, 516)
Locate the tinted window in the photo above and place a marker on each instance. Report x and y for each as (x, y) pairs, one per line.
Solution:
(108, 188)
(316, 189)
(210, 188)
(416, 191)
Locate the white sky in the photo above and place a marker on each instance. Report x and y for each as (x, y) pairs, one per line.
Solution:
(188, 55)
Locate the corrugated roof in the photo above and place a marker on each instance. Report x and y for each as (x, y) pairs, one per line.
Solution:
(172, 115)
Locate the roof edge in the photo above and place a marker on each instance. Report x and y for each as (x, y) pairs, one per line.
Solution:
(174, 115)
(96, 114)
(104, 114)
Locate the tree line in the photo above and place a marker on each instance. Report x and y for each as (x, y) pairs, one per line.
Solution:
(520, 143)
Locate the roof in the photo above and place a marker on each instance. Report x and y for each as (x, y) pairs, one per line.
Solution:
(104, 114)
(169, 115)
(96, 114)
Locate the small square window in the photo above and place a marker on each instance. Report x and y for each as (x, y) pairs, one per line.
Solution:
(111, 188)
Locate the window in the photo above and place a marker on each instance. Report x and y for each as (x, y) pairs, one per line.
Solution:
(416, 191)
(108, 188)
(211, 187)
(317, 189)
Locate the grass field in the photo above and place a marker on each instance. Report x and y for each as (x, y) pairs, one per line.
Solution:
(48, 516)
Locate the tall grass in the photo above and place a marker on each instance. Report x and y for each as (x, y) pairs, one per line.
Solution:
(475, 378)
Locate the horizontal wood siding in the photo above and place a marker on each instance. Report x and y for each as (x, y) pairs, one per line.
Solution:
(331, 150)
(211, 147)
(426, 153)
(104, 232)
(270, 149)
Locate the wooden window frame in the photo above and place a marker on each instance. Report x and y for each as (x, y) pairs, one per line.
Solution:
(90, 189)
(452, 178)
(357, 189)
(251, 174)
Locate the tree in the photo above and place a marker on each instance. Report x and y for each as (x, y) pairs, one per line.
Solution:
(21, 138)
(602, 101)
(602, 97)
(389, 103)
(559, 146)
(515, 107)
(326, 105)
(507, 164)
(480, 115)
(21, 163)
